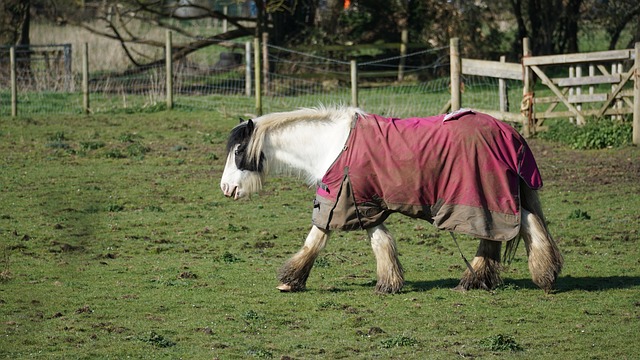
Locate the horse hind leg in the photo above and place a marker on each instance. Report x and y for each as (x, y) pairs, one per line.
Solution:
(294, 273)
(545, 260)
(389, 271)
(486, 268)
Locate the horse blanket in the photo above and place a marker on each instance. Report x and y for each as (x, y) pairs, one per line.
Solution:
(460, 171)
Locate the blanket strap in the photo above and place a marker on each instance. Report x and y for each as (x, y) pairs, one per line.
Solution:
(473, 272)
(353, 198)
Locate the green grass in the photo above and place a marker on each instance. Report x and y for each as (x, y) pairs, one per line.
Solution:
(117, 242)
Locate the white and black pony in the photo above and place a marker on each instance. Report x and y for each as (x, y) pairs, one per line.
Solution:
(464, 172)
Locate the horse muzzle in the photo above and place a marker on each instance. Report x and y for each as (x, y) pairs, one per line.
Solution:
(230, 191)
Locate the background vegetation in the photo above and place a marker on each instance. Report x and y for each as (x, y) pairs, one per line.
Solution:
(596, 134)
(487, 28)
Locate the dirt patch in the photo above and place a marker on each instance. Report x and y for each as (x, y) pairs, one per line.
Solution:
(608, 167)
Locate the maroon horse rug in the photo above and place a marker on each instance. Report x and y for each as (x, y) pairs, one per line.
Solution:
(461, 172)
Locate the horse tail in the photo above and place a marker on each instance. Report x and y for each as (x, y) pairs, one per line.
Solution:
(510, 249)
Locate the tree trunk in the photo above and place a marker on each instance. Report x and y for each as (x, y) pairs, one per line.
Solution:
(569, 37)
(552, 25)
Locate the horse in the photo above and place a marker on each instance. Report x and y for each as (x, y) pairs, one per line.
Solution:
(465, 172)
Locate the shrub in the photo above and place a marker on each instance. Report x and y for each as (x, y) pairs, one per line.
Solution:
(596, 134)
(158, 340)
(115, 154)
(398, 341)
(578, 214)
(137, 150)
(229, 258)
(500, 343)
(91, 145)
(114, 208)
(59, 136)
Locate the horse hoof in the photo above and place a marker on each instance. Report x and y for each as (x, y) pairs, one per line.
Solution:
(284, 288)
(460, 288)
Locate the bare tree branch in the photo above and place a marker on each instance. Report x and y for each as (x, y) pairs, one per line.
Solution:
(180, 52)
(121, 14)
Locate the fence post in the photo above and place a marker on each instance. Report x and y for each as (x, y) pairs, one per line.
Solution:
(404, 40)
(572, 74)
(247, 75)
(455, 69)
(256, 68)
(265, 63)
(169, 69)
(579, 121)
(636, 97)
(14, 85)
(354, 83)
(225, 25)
(68, 74)
(592, 72)
(85, 78)
(616, 68)
(527, 91)
(503, 91)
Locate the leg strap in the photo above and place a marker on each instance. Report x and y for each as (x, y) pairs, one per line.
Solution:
(471, 270)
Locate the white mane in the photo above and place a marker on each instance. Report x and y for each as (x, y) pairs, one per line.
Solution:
(290, 140)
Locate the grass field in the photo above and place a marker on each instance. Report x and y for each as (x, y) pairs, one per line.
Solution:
(116, 242)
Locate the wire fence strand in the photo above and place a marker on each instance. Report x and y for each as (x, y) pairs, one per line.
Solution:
(296, 79)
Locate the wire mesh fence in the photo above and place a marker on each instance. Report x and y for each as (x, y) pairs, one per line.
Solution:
(295, 79)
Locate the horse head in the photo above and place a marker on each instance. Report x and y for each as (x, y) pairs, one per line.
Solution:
(243, 171)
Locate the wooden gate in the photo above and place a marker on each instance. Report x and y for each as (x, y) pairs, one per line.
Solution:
(582, 85)
(585, 85)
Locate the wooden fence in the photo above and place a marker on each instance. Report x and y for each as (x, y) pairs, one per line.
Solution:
(612, 85)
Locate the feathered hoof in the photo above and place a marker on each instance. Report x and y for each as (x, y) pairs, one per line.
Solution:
(289, 288)
(471, 283)
(545, 274)
(460, 288)
(547, 283)
(388, 288)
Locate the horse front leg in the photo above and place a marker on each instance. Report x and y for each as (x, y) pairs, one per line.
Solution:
(294, 273)
(389, 270)
(486, 268)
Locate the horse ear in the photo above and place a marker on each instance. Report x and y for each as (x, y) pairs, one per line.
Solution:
(250, 126)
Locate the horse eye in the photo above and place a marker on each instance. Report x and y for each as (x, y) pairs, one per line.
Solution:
(240, 150)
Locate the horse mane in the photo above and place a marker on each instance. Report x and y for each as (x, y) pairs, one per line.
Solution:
(279, 120)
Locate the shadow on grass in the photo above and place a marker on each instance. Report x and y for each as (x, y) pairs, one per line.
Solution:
(563, 284)
(417, 286)
(596, 283)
